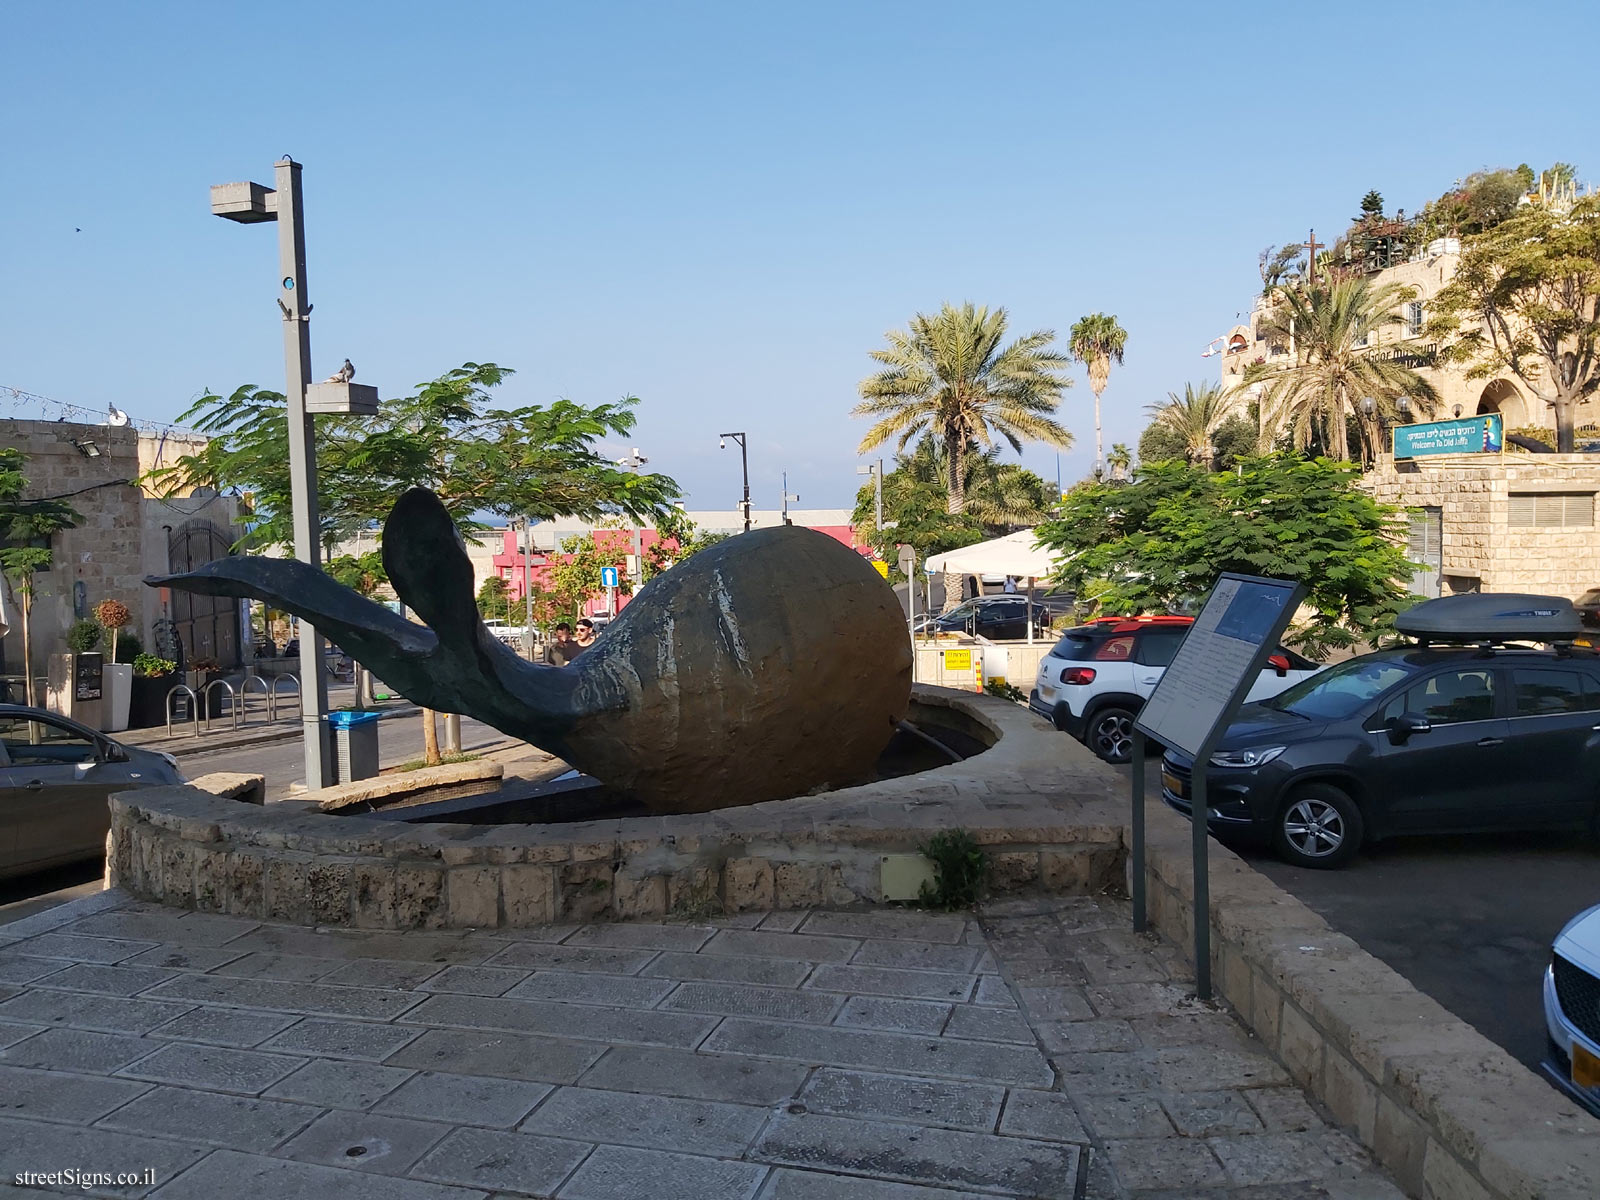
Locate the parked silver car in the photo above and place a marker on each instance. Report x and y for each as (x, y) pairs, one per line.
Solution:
(55, 777)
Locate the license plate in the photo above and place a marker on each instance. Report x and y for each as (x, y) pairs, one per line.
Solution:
(1172, 783)
(1585, 1068)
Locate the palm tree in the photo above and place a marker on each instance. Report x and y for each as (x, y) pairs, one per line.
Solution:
(1001, 496)
(950, 375)
(1329, 327)
(1097, 341)
(1120, 461)
(1194, 418)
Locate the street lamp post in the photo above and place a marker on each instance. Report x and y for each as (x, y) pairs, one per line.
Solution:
(744, 455)
(787, 496)
(248, 204)
(876, 471)
(633, 462)
(527, 584)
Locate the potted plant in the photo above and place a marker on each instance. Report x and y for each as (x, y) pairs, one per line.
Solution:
(153, 678)
(113, 616)
(63, 688)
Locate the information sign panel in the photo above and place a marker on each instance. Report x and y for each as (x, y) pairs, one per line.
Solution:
(1222, 653)
(88, 676)
(1465, 435)
(958, 660)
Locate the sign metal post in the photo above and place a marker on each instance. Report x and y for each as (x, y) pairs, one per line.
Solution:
(1219, 660)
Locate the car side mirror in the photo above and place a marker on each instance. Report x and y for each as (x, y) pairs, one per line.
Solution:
(112, 753)
(1402, 727)
(1280, 664)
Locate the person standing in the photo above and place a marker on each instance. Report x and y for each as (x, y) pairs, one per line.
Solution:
(585, 636)
(561, 649)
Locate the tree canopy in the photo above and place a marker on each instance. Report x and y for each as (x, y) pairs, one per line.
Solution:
(26, 527)
(1097, 341)
(1193, 421)
(1526, 299)
(1158, 544)
(539, 460)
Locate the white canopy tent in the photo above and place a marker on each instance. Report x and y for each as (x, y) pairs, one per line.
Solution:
(1017, 554)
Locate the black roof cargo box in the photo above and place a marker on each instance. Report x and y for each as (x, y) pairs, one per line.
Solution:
(1490, 616)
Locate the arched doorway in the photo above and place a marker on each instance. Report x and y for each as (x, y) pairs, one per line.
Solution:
(206, 626)
(1501, 396)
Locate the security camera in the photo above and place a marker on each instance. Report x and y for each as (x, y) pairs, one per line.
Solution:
(721, 444)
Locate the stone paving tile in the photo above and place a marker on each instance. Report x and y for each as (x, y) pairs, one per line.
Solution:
(623, 1173)
(898, 1016)
(743, 1000)
(654, 1122)
(832, 1045)
(362, 1141)
(19, 968)
(491, 1158)
(783, 922)
(1048, 1116)
(617, 991)
(31, 1146)
(465, 1099)
(889, 923)
(1124, 1115)
(771, 972)
(1086, 1036)
(1066, 1002)
(183, 958)
(993, 990)
(761, 944)
(285, 968)
(215, 1068)
(988, 1025)
(165, 927)
(1165, 1163)
(382, 973)
(787, 1183)
(685, 1073)
(543, 957)
(1196, 1068)
(81, 949)
(1195, 1024)
(499, 1055)
(11, 1034)
(225, 1026)
(58, 1049)
(107, 980)
(335, 1083)
(1287, 1157)
(1137, 999)
(563, 1020)
(410, 946)
(916, 1154)
(925, 1101)
(1210, 1114)
(228, 1173)
(233, 1122)
(1283, 1109)
(920, 956)
(891, 981)
(316, 998)
(643, 936)
(80, 1010)
(57, 1096)
(340, 1039)
(474, 981)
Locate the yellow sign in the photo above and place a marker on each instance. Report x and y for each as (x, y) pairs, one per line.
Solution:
(958, 660)
(883, 567)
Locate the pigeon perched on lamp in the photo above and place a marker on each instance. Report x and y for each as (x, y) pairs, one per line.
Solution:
(343, 375)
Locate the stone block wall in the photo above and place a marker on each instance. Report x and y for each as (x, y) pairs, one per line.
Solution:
(1450, 1114)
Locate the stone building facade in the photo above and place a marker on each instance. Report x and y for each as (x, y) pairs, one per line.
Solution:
(1498, 523)
(126, 532)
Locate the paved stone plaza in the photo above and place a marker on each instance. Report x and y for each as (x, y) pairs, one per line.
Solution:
(1040, 1050)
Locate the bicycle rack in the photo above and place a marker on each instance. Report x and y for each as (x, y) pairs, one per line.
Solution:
(194, 707)
(272, 695)
(233, 701)
(244, 697)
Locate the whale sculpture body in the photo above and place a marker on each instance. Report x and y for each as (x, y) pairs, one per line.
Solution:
(769, 665)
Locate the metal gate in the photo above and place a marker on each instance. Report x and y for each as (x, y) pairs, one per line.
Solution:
(1425, 546)
(206, 626)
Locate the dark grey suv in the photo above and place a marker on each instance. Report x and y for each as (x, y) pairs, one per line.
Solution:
(1407, 741)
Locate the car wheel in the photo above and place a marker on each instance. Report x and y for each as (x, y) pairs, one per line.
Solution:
(1319, 826)
(1111, 734)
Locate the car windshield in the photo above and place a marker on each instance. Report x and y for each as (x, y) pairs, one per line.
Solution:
(1589, 598)
(1342, 690)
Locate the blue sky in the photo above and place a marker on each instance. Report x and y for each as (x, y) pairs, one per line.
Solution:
(717, 207)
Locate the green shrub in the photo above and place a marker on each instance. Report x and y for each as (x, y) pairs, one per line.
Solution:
(1002, 690)
(129, 648)
(152, 666)
(83, 637)
(960, 870)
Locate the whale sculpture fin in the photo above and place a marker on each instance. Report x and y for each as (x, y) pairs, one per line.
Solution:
(429, 568)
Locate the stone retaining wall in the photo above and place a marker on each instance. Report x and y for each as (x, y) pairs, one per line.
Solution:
(1450, 1114)
(1040, 801)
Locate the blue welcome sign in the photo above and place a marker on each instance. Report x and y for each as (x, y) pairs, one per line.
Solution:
(1464, 435)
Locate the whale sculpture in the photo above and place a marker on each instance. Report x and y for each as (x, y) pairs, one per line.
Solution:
(769, 665)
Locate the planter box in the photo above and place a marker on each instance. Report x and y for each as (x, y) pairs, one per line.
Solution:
(146, 706)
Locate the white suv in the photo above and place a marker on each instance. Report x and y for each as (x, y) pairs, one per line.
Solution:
(1098, 676)
(1572, 1010)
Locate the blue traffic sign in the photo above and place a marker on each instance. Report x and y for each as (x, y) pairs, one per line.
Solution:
(608, 577)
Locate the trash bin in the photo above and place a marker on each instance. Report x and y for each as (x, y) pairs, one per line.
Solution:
(355, 745)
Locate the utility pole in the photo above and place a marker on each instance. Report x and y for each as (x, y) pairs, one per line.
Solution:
(876, 471)
(634, 461)
(527, 585)
(250, 203)
(744, 455)
(787, 497)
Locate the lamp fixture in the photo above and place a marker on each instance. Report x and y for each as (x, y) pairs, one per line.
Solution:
(1458, 410)
(86, 448)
